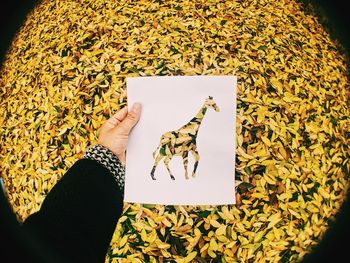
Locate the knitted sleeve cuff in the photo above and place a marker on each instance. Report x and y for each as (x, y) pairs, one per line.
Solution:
(109, 160)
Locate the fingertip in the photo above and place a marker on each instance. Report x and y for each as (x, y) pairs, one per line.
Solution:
(136, 107)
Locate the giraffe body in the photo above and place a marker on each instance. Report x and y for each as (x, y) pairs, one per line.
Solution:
(181, 142)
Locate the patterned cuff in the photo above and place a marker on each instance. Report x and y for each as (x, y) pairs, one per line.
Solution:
(109, 160)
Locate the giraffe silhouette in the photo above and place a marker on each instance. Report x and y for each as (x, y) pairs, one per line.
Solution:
(182, 141)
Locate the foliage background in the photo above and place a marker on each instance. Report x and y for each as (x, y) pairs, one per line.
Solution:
(65, 74)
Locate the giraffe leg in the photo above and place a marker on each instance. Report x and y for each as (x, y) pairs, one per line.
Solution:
(166, 162)
(185, 159)
(196, 157)
(157, 160)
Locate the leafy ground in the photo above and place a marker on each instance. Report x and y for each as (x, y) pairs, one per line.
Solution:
(65, 75)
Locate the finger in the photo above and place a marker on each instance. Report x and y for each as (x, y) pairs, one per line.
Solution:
(131, 119)
(118, 117)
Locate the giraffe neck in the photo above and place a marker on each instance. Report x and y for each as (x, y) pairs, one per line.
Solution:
(199, 117)
(201, 113)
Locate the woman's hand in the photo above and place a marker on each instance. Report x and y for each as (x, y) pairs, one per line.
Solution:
(114, 133)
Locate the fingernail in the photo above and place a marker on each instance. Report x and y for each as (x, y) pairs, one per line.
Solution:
(136, 107)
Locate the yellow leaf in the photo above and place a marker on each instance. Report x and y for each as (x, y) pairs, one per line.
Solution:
(63, 131)
(123, 241)
(173, 218)
(251, 162)
(250, 98)
(323, 193)
(221, 230)
(266, 141)
(258, 195)
(213, 245)
(283, 152)
(229, 252)
(197, 232)
(211, 253)
(190, 256)
(276, 85)
(144, 235)
(274, 219)
(269, 179)
(166, 222)
(164, 246)
(183, 139)
(205, 247)
(289, 97)
(227, 213)
(261, 112)
(153, 236)
(222, 239)
(277, 233)
(271, 170)
(294, 213)
(258, 236)
(215, 223)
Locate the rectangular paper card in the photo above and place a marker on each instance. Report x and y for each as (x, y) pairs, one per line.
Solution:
(187, 123)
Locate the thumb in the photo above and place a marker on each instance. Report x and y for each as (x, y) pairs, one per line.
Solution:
(131, 119)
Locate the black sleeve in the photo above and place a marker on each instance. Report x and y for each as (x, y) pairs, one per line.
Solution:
(78, 217)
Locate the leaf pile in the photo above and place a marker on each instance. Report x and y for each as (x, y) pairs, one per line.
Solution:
(65, 75)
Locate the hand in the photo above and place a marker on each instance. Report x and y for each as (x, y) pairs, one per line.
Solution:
(114, 133)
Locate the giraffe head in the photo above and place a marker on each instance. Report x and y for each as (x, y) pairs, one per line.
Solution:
(210, 103)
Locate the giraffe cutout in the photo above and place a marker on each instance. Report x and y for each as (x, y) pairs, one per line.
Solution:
(182, 141)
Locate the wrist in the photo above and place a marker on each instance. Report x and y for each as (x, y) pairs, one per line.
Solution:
(109, 160)
(119, 154)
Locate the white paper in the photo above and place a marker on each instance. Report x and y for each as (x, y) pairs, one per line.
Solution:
(168, 103)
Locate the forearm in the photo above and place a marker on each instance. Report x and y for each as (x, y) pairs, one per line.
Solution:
(79, 215)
